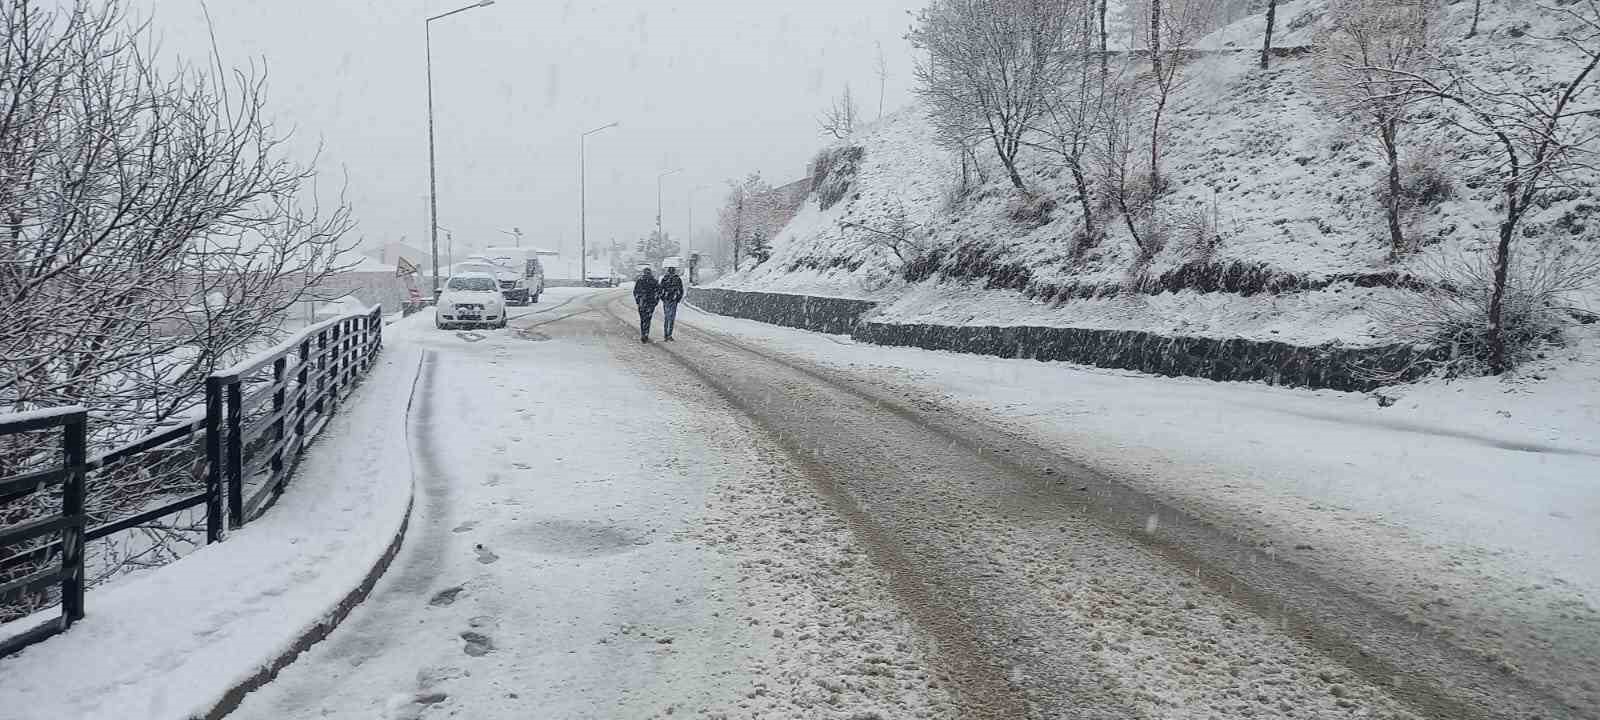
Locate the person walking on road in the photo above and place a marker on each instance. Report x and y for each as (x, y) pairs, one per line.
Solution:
(671, 295)
(646, 293)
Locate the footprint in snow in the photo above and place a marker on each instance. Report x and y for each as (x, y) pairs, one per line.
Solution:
(477, 644)
(465, 527)
(446, 597)
(411, 707)
(485, 555)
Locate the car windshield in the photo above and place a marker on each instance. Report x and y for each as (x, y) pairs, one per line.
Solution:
(472, 284)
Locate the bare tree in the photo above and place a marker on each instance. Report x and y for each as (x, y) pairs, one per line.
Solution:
(1266, 43)
(839, 121)
(731, 219)
(751, 210)
(882, 68)
(898, 235)
(1369, 44)
(153, 229)
(1073, 111)
(990, 64)
(1105, 50)
(144, 215)
(1117, 142)
(1544, 134)
(1171, 32)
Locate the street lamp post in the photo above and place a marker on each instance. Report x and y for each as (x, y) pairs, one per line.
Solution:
(689, 238)
(583, 202)
(659, 178)
(433, 176)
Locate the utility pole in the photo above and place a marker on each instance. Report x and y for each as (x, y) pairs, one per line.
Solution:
(433, 175)
(583, 202)
(659, 178)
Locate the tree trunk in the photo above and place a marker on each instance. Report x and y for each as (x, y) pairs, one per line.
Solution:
(1388, 136)
(1083, 198)
(1011, 171)
(1133, 231)
(1477, 7)
(1009, 159)
(1155, 37)
(1266, 45)
(1155, 145)
(1105, 55)
(1498, 363)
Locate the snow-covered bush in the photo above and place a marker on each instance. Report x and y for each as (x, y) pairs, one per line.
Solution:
(1539, 303)
(1199, 227)
(1031, 210)
(1424, 184)
(896, 235)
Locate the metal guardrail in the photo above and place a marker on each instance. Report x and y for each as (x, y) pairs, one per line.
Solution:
(259, 417)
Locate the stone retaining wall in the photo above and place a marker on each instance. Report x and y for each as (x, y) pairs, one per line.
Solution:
(822, 314)
(1234, 359)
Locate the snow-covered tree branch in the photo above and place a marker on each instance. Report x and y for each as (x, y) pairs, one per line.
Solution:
(152, 225)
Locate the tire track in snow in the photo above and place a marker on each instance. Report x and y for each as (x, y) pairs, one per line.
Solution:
(983, 687)
(369, 633)
(1431, 675)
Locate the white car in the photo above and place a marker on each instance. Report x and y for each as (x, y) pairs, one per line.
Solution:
(471, 298)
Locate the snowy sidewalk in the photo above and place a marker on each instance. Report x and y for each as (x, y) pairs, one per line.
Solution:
(170, 643)
(597, 536)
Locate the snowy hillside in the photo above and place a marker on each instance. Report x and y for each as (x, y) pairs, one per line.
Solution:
(1302, 254)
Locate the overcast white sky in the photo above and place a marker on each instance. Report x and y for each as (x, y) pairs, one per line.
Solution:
(719, 88)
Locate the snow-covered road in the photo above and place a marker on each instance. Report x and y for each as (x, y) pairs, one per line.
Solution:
(597, 537)
(736, 525)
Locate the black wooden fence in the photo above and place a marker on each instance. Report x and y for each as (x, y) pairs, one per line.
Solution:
(259, 416)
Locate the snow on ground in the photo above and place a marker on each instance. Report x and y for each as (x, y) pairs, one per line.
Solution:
(1467, 505)
(598, 536)
(1335, 315)
(1288, 183)
(169, 643)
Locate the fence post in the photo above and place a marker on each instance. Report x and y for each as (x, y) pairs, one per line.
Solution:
(235, 459)
(75, 454)
(322, 370)
(279, 367)
(213, 460)
(337, 371)
(301, 391)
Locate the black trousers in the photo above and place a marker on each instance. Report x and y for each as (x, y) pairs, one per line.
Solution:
(646, 313)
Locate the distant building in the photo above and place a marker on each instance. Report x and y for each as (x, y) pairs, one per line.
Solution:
(391, 252)
(790, 198)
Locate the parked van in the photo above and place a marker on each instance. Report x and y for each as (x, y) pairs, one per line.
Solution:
(521, 275)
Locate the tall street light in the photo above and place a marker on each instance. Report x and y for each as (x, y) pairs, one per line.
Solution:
(659, 178)
(450, 246)
(583, 202)
(433, 176)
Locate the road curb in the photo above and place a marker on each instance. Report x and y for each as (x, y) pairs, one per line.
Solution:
(235, 695)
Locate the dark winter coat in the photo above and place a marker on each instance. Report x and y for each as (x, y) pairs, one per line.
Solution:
(646, 291)
(671, 288)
